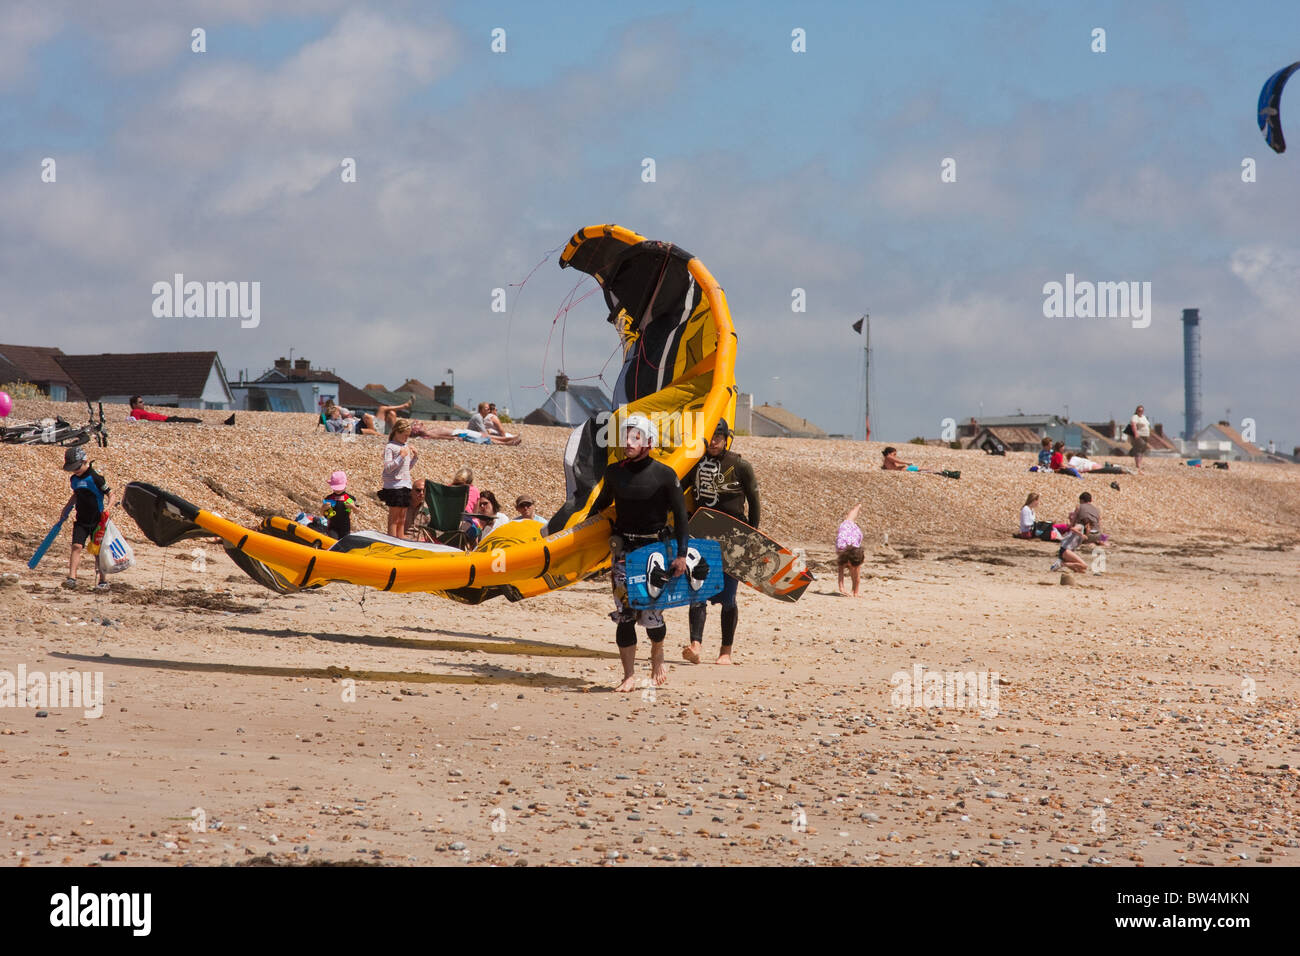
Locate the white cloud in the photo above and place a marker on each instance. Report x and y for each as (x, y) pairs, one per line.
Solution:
(23, 27)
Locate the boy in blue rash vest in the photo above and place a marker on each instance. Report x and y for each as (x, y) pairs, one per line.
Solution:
(644, 492)
(92, 497)
(724, 481)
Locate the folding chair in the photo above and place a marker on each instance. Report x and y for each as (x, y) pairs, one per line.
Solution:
(446, 504)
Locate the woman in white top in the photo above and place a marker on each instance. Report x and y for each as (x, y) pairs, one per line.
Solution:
(1141, 432)
(396, 493)
(1027, 517)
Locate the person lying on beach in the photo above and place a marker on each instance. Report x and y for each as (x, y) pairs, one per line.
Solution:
(140, 414)
(848, 550)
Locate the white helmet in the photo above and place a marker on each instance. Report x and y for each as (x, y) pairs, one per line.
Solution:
(642, 424)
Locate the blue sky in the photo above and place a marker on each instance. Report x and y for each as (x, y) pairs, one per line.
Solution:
(780, 170)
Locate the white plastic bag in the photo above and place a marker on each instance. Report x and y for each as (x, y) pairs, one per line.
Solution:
(114, 553)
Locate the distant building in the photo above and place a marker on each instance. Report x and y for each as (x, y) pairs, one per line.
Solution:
(442, 393)
(570, 404)
(1222, 442)
(38, 365)
(297, 387)
(777, 422)
(167, 379)
(422, 408)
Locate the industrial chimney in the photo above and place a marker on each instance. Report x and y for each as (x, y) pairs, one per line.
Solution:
(1191, 372)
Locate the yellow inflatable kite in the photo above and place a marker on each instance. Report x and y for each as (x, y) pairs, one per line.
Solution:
(679, 360)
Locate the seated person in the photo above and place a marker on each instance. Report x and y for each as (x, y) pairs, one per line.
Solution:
(1088, 515)
(1067, 555)
(139, 413)
(524, 505)
(340, 419)
(484, 518)
(892, 462)
(485, 423)
(1027, 517)
(1045, 455)
(1058, 464)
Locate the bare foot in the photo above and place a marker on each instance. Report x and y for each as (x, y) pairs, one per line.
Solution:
(628, 685)
(657, 670)
(691, 652)
(724, 658)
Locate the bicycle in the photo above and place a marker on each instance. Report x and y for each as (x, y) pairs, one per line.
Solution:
(57, 431)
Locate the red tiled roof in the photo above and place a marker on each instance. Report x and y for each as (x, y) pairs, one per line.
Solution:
(183, 374)
(39, 364)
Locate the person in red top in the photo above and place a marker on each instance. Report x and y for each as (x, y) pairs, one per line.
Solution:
(140, 413)
(1058, 461)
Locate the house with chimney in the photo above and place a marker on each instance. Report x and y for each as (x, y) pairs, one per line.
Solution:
(422, 408)
(570, 405)
(297, 387)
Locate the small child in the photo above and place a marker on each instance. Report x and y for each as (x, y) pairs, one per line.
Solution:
(337, 507)
(93, 500)
(848, 550)
(1045, 455)
(1067, 555)
(396, 493)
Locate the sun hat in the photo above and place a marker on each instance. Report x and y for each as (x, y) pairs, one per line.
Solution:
(338, 481)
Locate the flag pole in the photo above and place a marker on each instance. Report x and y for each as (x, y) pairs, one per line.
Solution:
(866, 375)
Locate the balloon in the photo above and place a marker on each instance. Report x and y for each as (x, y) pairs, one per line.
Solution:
(6, 404)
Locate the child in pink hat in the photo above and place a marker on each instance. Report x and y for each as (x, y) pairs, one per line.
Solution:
(338, 506)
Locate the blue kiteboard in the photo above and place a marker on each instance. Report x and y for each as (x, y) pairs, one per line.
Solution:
(649, 577)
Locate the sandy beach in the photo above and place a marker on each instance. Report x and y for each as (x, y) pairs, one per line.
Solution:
(1144, 715)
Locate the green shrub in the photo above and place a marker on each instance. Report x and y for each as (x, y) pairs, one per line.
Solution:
(20, 390)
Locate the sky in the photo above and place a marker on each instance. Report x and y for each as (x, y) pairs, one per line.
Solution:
(936, 165)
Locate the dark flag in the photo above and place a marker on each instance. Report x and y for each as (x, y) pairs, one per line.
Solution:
(857, 326)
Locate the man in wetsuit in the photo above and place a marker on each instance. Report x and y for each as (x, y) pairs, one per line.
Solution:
(725, 482)
(643, 492)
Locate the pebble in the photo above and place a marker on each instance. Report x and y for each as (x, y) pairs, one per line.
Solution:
(995, 795)
(458, 845)
(685, 812)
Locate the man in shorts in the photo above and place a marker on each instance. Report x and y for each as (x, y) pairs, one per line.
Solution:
(91, 496)
(643, 492)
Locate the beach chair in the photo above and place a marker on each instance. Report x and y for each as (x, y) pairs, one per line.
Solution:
(446, 504)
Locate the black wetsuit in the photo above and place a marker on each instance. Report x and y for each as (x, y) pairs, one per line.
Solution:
(727, 484)
(643, 492)
(90, 490)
